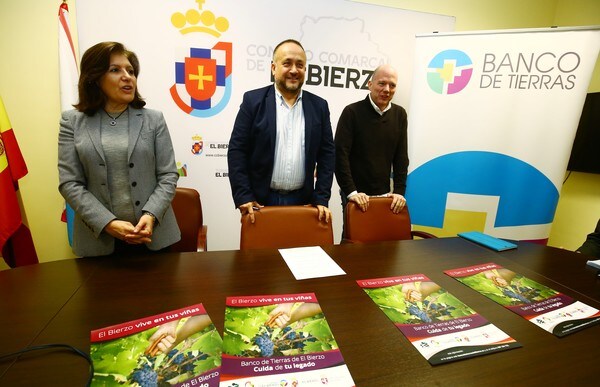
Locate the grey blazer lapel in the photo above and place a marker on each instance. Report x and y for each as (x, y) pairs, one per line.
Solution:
(136, 119)
(93, 129)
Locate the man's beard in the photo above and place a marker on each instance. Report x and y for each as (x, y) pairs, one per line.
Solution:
(283, 86)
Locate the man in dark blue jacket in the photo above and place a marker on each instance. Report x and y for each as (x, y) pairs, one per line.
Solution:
(281, 150)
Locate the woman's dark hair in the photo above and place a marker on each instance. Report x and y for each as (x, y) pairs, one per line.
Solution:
(94, 64)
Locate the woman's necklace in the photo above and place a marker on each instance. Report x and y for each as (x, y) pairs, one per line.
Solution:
(113, 120)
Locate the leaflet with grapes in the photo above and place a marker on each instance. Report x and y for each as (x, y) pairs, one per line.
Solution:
(441, 327)
(177, 348)
(278, 340)
(555, 312)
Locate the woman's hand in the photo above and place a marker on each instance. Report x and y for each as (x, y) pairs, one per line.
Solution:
(125, 231)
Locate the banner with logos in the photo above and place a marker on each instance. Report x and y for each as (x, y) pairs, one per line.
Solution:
(199, 57)
(492, 120)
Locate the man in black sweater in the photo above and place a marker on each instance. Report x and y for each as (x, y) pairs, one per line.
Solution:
(371, 144)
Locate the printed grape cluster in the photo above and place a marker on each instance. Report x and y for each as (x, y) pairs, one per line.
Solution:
(150, 374)
(265, 344)
(430, 311)
(273, 341)
(145, 376)
(521, 293)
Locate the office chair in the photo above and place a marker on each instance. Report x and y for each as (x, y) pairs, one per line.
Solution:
(188, 212)
(283, 227)
(378, 223)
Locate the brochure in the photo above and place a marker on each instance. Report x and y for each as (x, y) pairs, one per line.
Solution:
(441, 327)
(550, 310)
(176, 348)
(280, 340)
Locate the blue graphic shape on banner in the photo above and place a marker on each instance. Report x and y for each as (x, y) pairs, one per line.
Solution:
(460, 57)
(527, 197)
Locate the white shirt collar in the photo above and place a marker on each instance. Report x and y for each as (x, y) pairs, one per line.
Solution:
(379, 111)
(280, 98)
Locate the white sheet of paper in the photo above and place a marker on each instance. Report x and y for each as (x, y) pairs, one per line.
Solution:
(310, 262)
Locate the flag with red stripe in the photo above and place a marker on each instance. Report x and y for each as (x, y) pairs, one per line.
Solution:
(16, 244)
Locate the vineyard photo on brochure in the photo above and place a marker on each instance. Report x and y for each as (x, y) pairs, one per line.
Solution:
(275, 330)
(508, 288)
(418, 303)
(167, 354)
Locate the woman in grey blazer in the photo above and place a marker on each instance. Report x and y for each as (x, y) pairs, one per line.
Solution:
(115, 160)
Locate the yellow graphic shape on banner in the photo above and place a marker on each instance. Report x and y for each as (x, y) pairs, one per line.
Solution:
(447, 72)
(188, 22)
(456, 221)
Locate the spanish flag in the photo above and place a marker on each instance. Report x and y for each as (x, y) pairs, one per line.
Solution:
(16, 244)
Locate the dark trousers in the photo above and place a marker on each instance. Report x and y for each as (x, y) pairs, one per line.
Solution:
(344, 202)
(289, 198)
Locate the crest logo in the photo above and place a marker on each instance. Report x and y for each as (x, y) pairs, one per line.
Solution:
(449, 72)
(203, 77)
(198, 145)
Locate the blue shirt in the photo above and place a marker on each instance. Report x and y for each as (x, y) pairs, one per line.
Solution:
(288, 168)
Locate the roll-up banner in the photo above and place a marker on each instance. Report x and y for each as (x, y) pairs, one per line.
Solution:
(492, 120)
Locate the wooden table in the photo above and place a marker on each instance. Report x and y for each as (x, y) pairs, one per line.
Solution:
(61, 302)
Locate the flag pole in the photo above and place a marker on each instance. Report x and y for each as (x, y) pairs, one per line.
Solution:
(69, 77)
